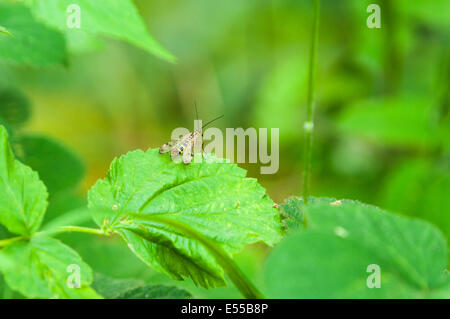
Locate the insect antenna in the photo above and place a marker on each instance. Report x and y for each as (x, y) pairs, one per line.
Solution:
(211, 121)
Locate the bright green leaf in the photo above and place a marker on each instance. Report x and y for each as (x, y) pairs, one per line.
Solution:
(58, 167)
(40, 269)
(215, 199)
(330, 258)
(112, 18)
(23, 196)
(33, 43)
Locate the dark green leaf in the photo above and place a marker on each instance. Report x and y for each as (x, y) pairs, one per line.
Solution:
(58, 167)
(135, 289)
(14, 107)
(156, 292)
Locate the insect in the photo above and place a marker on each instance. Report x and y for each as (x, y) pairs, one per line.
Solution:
(184, 147)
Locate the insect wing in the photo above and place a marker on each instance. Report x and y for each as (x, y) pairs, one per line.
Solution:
(166, 147)
(187, 154)
(179, 148)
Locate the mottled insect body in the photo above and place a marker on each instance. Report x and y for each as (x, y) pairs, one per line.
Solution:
(183, 148)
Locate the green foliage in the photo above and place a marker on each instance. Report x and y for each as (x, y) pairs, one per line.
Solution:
(134, 289)
(23, 196)
(14, 107)
(292, 213)
(281, 94)
(36, 266)
(38, 269)
(382, 134)
(213, 198)
(112, 18)
(32, 43)
(405, 191)
(398, 121)
(156, 292)
(342, 239)
(59, 168)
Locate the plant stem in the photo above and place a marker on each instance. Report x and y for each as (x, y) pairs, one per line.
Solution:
(79, 229)
(6, 242)
(62, 229)
(309, 123)
(247, 289)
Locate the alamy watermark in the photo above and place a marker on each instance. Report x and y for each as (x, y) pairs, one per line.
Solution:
(74, 278)
(374, 279)
(239, 145)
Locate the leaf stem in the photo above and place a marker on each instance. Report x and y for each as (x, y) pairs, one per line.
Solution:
(78, 229)
(247, 289)
(62, 229)
(309, 123)
(8, 241)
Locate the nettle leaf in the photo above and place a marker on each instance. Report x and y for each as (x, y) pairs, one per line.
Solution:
(342, 239)
(40, 268)
(135, 289)
(215, 199)
(292, 213)
(112, 18)
(58, 167)
(14, 107)
(32, 43)
(23, 196)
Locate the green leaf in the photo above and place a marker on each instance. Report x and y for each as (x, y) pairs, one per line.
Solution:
(135, 289)
(40, 268)
(215, 199)
(112, 288)
(58, 167)
(156, 292)
(32, 43)
(404, 191)
(14, 107)
(23, 196)
(111, 18)
(292, 212)
(400, 121)
(329, 258)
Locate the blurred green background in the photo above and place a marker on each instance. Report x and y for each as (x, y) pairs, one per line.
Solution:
(382, 114)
